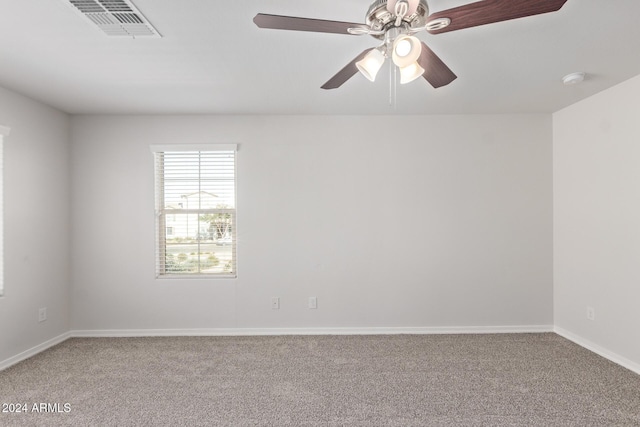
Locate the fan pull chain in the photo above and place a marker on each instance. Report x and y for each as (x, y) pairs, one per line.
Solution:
(393, 70)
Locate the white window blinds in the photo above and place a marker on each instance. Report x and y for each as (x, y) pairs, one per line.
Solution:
(195, 210)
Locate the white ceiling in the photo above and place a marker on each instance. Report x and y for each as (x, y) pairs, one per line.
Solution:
(213, 59)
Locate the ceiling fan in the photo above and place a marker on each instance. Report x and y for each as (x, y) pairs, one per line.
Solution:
(396, 21)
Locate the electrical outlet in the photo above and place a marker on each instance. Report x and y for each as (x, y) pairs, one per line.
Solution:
(42, 314)
(275, 303)
(591, 313)
(313, 302)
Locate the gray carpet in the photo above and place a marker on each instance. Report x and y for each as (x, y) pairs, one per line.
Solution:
(399, 380)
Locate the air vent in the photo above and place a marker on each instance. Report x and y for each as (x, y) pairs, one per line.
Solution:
(117, 18)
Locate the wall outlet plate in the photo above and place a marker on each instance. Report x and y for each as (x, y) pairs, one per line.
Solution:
(313, 302)
(275, 303)
(591, 313)
(42, 314)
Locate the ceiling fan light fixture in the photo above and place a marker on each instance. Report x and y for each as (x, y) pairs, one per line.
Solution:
(403, 48)
(394, 22)
(371, 64)
(410, 73)
(406, 50)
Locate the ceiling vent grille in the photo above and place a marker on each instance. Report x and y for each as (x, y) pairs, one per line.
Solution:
(118, 18)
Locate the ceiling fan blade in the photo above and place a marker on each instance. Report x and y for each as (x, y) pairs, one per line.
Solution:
(279, 22)
(436, 72)
(346, 73)
(490, 11)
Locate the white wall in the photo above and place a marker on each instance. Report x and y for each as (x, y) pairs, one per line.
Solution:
(36, 224)
(597, 219)
(466, 202)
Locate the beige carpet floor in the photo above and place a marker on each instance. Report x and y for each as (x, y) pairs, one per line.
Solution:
(399, 380)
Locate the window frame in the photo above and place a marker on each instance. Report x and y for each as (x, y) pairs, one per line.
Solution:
(161, 211)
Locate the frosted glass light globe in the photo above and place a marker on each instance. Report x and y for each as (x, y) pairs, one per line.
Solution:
(403, 47)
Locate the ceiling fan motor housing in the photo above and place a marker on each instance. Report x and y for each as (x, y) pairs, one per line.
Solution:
(379, 18)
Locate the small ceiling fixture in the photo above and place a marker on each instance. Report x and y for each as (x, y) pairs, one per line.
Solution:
(396, 22)
(573, 78)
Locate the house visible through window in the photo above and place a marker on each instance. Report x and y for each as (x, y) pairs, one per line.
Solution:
(195, 210)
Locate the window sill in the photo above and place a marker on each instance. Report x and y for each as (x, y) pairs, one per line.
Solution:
(196, 276)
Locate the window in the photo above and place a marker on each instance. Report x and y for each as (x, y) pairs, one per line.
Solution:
(4, 131)
(195, 210)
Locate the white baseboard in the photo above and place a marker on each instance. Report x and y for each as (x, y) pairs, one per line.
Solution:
(312, 331)
(615, 358)
(275, 332)
(33, 351)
